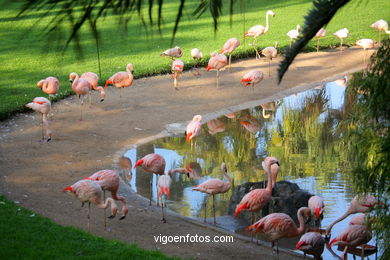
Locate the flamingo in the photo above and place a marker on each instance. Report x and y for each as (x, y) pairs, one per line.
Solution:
(359, 204)
(294, 34)
(258, 30)
(90, 191)
(274, 163)
(352, 236)
(153, 163)
(252, 77)
(279, 225)
(365, 44)
(193, 170)
(213, 187)
(311, 243)
(197, 55)
(121, 79)
(81, 87)
(109, 180)
(270, 106)
(229, 46)
(42, 105)
(342, 34)
(177, 68)
(358, 219)
(216, 126)
(49, 85)
(93, 79)
(194, 128)
(172, 53)
(256, 199)
(250, 123)
(125, 166)
(316, 206)
(270, 53)
(321, 33)
(380, 25)
(164, 184)
(217, 62)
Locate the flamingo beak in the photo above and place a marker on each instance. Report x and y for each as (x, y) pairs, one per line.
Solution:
(138, 163)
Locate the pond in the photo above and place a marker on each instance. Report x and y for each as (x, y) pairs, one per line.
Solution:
(301, 130)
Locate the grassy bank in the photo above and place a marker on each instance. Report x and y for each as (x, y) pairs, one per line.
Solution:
(27, 56)
(26, 235)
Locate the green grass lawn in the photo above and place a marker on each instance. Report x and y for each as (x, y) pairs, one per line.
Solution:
(26, 235)
(27, 56)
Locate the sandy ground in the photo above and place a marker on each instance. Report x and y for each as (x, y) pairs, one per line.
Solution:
(34, 174)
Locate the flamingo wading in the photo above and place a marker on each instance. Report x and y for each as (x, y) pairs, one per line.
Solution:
(217, 62)
(270, 53)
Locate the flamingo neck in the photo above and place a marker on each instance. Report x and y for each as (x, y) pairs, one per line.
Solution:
(267, 24)
(227, 177)
(301, 221)
(269, 182)
(74, 84)
(329, 228)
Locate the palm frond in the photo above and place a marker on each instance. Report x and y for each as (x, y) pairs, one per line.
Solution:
(319, 15)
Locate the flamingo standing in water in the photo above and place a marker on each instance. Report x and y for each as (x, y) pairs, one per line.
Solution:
(256, 199)
(252, 77)
(258, 30)
(311, 243)
(172, 53)
(365, 44)
(270, 53)
(49, 85)
(121, 79)
(81, 87)
(194, 128)
(153, 163)
(163, 187)
(176, 68)
(380, 25)
(216, 126)
(197, 55)
(213, 187)
(216, 62)
(93, 79)
(321, 33)
(90, 191)
(359, 204)
(352, 236)
(316, 206)
(279, 225)
(294, 34)
(342, 34)
(42, 105)
(228, 48)
(109, 180)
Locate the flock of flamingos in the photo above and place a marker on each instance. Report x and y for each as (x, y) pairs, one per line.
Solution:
(274, 226)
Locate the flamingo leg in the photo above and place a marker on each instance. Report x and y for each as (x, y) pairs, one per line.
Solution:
(255, 47)
(151, 191)
(163, 220)
(43, 131)
(253, 87)
(158, 202)
(230, 62)
(205, 207)
(89, 210)
(217, 78)
(215, 222)
(81, 107)
(105, 219)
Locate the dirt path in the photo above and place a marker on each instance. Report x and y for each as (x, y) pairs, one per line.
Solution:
(34, 174)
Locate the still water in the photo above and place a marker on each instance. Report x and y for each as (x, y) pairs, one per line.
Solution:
(301, 130)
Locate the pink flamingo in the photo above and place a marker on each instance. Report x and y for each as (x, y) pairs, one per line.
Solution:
(358, 219)
(342, 34)
(197, 55)
(258, 30)
(216, 126)
(311, 243)
(380, 25)
(229, 46)
(172, 53)
(250, 123)
(352, 236)
(163, 187)
(49, 85)
(121, 79)
(294, 34)
(216, 62)
(213, 187)
(90, 191)
(252, 77)
(109, 180)
(81, 87)
(93, 79)
(256, 199)
(279, 225)
(42, 105)
(194, 128)
(270, 53)
(359, 204)
(316, 206)
(177, 68)
(365, 44)
(153, 163)
(321, 33)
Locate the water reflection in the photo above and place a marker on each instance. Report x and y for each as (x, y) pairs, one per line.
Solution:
(301, 130)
